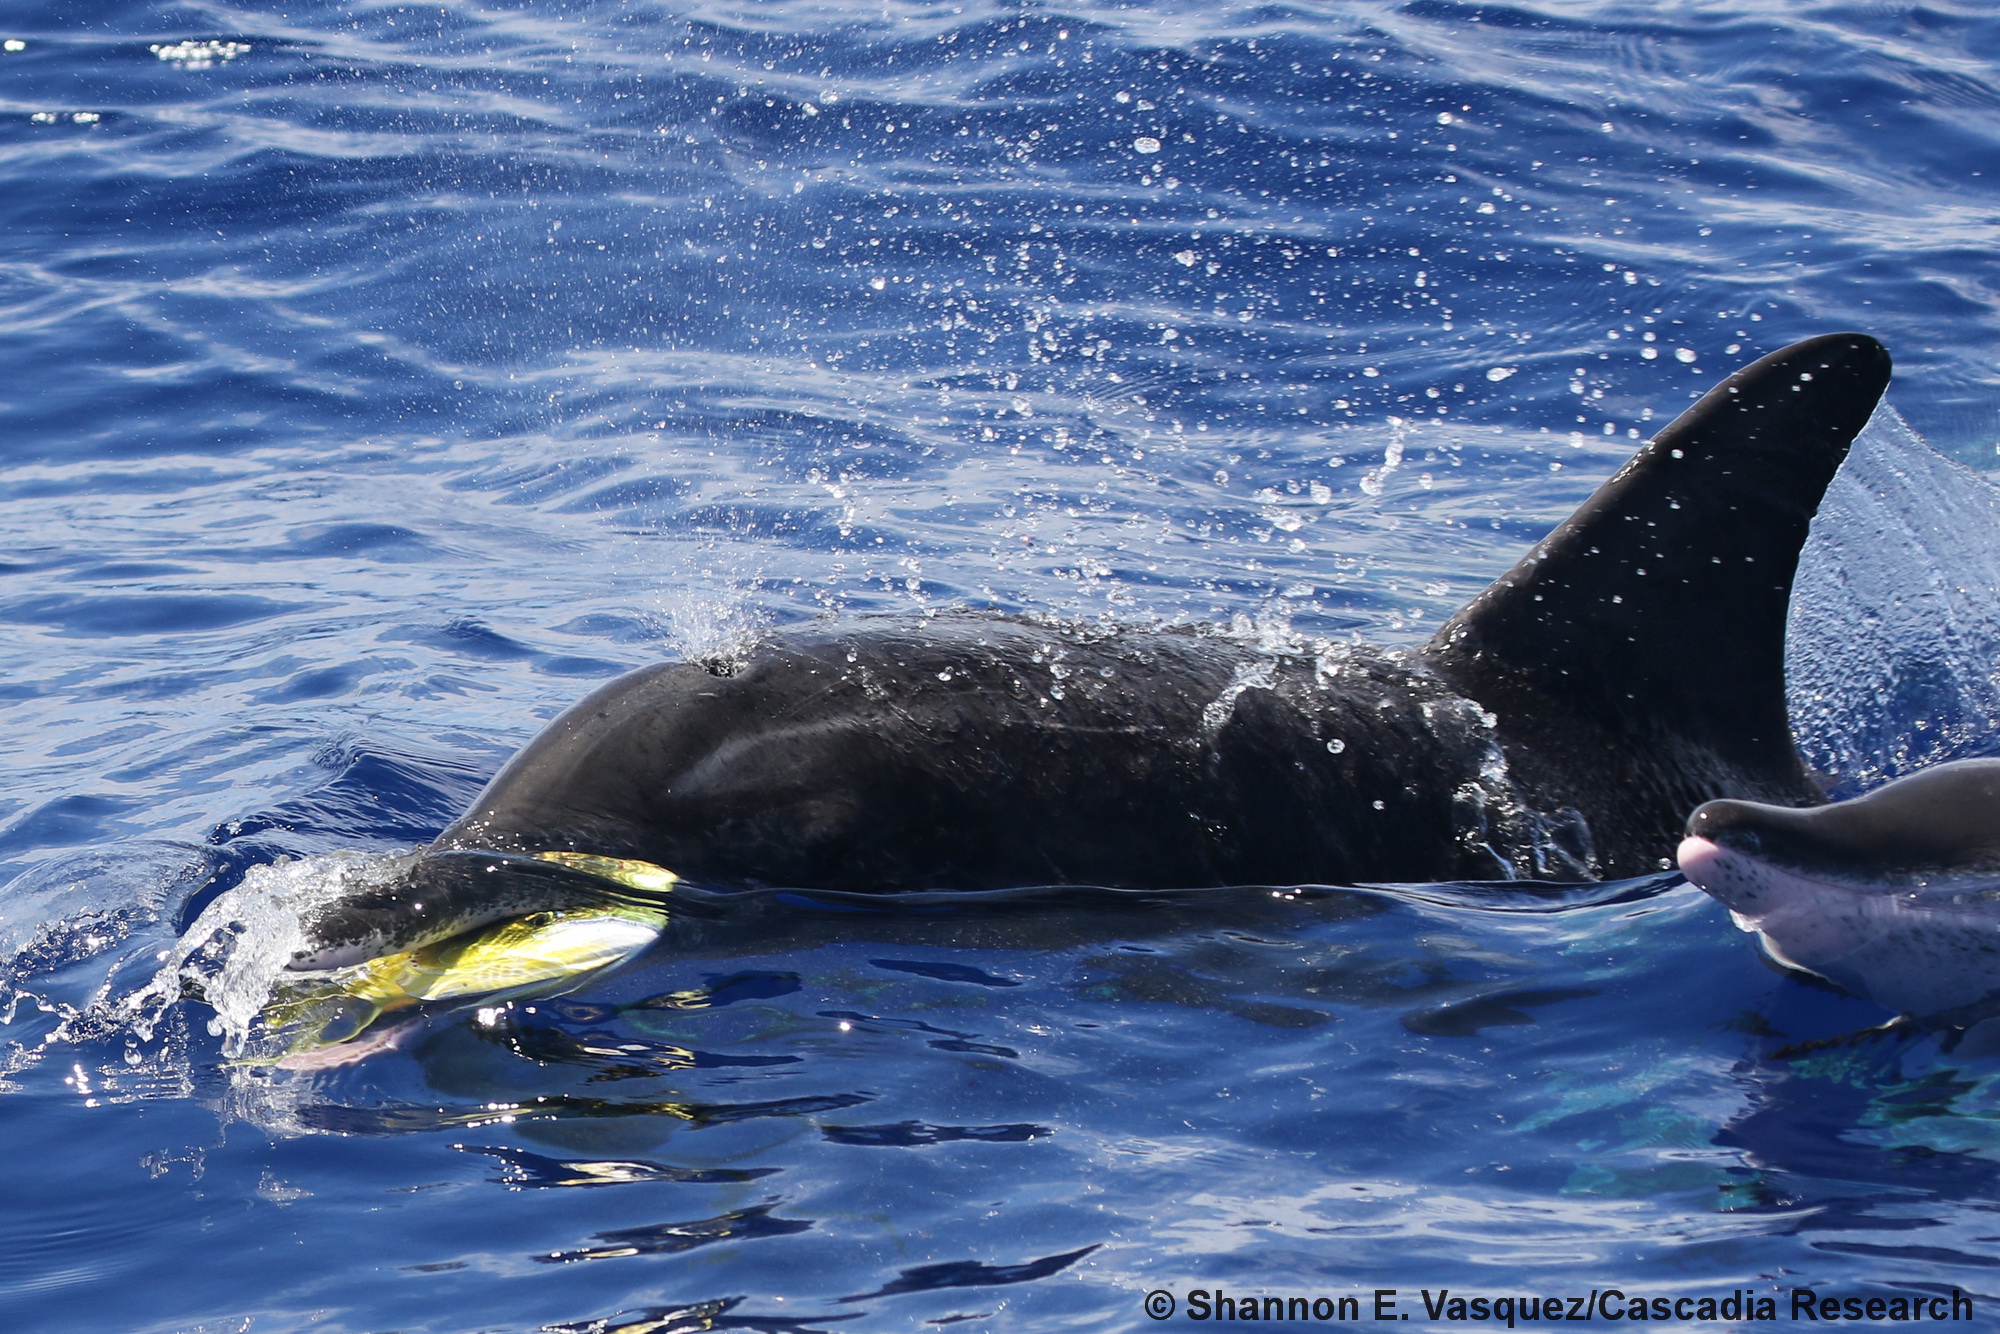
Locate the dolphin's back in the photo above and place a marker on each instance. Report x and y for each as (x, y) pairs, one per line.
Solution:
(977, 752)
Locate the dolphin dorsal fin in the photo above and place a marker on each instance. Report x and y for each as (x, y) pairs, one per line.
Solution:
(1652, 620)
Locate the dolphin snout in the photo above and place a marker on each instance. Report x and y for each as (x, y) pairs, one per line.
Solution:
(331, 957)
(1699, 859)
(1733, 878)
(1732, 824)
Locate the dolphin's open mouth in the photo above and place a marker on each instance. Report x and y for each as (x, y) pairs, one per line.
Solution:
(449, 893)
(604, 923)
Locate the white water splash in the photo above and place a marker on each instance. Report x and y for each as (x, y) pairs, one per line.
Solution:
(1392, 458)
(1248, 676)
(235, 953)
(1894, 635)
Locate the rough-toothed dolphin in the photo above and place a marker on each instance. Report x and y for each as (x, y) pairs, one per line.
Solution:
(1894, 896)
(1629, 667)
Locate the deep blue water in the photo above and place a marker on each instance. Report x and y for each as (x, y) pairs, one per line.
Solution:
(374, 379)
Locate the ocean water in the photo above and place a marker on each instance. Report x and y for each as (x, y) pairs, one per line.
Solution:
(378, 378)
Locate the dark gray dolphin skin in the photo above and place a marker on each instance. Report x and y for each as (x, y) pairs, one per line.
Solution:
(1631, 666)
(1894, 896)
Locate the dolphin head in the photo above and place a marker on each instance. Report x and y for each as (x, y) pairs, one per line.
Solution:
(459, 928)
(446, 894)
(1894, 896)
